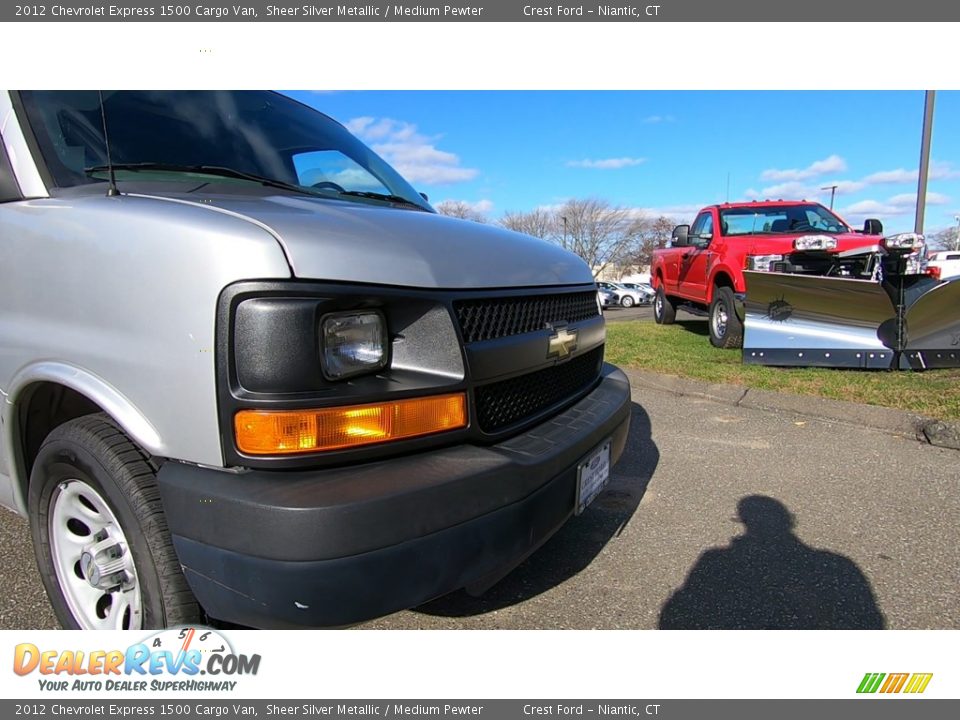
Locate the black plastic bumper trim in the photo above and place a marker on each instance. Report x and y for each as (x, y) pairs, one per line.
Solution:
(338, 512)
(336, 547)
(333, 593)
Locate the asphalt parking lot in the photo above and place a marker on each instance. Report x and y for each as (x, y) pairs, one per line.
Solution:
(716, 516)
(637, 312)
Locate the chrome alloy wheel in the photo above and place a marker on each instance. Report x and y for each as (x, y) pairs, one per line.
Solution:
(718, 319)
(92, 559)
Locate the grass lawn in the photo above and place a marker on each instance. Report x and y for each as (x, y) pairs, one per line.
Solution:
(684, 349)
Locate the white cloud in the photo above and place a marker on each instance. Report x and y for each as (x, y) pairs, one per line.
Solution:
(414, 156)
(607, 164)
(831, 164)
(845, 187)
(866, 208)
(359, 124)
(902, 204)
(657, 119)
(885, 177)
(676, 212)
(788, 191)
(481, 206)
(938, 171)
(796, 190)
(933, 198)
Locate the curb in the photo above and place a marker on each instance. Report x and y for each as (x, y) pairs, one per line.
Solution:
(888, 420)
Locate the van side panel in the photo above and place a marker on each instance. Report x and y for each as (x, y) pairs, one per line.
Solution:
(124, 289)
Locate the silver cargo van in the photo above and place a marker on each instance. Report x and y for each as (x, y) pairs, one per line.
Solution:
(249, 375)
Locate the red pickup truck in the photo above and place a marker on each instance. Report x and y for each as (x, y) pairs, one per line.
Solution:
(702, 270)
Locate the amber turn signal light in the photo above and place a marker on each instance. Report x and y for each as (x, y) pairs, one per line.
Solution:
(286, 432)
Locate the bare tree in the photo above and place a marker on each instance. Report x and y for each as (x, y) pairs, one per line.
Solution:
(460, 209)
(654, 235)
(946, 239)
(604, 235)
(539, 223)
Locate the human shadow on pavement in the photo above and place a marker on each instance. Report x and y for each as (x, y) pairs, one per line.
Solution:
(578, 542)
(768, 579)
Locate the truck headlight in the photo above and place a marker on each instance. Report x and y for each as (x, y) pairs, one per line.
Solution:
(352, 343)
(815, 242)
(904, 241)
(762, 263)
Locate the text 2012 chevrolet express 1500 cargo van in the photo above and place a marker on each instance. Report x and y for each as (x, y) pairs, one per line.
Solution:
(249, 375)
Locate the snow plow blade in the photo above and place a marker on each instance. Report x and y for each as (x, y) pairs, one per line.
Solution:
(816, 321)
(933, 329)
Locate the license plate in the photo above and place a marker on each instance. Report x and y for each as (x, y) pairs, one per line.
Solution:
(592, 476)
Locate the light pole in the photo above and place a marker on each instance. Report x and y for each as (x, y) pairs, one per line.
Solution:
(564, 218)
(928, 103)
(833, 192)
(956, 240)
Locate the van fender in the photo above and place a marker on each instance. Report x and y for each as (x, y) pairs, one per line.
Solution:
(95, 389)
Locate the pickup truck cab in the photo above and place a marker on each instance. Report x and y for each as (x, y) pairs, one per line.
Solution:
(249, 375)
(702, 269)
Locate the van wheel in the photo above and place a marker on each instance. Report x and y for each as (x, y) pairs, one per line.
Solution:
(99, 533)
(726, 330)
(664, 309)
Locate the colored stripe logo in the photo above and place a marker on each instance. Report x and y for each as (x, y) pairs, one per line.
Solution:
(913, 683)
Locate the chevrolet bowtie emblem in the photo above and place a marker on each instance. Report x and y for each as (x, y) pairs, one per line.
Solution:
(562, 343)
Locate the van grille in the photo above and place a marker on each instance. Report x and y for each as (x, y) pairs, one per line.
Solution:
(487, 319)
(509, 402)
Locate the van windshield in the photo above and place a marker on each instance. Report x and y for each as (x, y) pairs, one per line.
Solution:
(221, 136)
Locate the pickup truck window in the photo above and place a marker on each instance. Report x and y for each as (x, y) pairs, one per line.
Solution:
(172, 136)
(703, 224)
(780, 219)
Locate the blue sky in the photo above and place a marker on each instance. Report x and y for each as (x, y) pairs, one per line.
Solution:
(666, 152)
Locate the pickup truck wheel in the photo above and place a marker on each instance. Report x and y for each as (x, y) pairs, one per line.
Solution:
(626, 301)
(664, 309)
(99, 533)
(726, 330)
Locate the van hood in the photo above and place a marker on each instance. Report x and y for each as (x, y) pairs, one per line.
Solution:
(353, 242)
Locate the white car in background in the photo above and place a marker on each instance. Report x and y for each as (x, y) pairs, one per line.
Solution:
(647, 293)
(607, 298)
(628, 296)
(948, 262)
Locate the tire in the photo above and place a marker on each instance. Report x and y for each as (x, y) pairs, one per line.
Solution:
(626, 301)
(99, 533)
(664, 309)
(726, 330)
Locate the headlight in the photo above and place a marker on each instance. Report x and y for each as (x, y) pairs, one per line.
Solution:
(762, 263)
(352, 343)
(904, 241)
(815, 242)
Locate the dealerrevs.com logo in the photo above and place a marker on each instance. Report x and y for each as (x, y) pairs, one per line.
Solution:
(170, 660)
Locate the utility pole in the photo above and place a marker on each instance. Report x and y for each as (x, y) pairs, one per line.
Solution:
(924, 159)
(833, 192)
(564, 218)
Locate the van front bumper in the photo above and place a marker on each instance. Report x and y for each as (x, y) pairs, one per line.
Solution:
(334, 547)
